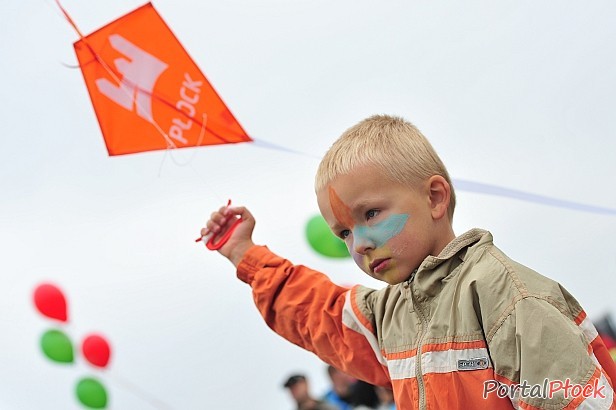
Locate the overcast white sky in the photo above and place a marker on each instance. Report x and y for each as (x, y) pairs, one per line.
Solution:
(515, 94)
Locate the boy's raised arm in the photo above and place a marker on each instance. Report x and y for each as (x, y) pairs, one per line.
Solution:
(300, 304)
(306, 308)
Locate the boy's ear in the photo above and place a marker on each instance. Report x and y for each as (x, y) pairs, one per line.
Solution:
(440, 193)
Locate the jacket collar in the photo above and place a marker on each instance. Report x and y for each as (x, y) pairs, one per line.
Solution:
(428, 278)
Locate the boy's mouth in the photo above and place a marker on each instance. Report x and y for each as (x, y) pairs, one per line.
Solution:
(378, 264)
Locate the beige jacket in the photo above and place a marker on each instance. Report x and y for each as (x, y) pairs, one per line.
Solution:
(470, 329)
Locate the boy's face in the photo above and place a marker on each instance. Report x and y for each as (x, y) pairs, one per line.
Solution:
(388, 227)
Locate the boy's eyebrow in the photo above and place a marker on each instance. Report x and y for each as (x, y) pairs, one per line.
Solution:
(362, 204)
(335, 228)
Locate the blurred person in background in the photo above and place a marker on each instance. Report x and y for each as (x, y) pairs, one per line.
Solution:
(300, 391)
(386, 397)
(340, 393)
(364, 396)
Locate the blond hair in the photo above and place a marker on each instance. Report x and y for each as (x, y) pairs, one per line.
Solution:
(393, 145)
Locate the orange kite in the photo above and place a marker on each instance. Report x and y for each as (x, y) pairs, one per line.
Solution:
(148, 94)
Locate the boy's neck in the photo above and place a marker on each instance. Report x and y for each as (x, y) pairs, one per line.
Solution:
(443, 238)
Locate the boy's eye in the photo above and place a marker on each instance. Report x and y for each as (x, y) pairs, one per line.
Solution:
(372, 213)
(344, 233)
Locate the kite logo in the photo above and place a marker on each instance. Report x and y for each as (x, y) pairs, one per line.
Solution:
(140, 72)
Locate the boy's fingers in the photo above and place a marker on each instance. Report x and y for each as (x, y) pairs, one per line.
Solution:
(214, 215)
(242, 212)
(209, 226)
(218, 218)
(213, 226)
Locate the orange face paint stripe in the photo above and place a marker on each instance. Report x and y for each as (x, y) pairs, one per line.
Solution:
(341, 211)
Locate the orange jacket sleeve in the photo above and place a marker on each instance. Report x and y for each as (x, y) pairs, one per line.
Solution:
(306, 308)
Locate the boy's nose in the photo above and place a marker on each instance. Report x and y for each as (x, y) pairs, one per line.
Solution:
(362, 243)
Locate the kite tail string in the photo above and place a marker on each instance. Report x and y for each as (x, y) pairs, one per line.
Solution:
(192, 157)
(189, 162)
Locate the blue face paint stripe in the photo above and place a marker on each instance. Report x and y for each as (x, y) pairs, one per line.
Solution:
(379, 233)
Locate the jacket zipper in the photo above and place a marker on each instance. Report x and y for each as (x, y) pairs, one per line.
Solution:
(422, 333)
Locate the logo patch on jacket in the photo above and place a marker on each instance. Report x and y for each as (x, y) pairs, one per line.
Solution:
(473, 364)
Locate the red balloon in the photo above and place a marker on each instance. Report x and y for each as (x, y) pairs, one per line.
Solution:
(50, 301)
(96, 350)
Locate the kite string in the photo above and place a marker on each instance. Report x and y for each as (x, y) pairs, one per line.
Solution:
(70, 20)
(482, 188)
(464, 185)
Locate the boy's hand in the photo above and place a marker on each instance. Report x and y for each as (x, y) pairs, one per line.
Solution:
(240, 240)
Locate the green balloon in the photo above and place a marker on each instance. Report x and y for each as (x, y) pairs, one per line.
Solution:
(323, 241)
(91, 393)
(57, 346)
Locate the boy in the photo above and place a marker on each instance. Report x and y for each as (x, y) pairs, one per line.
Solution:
(460, 326)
